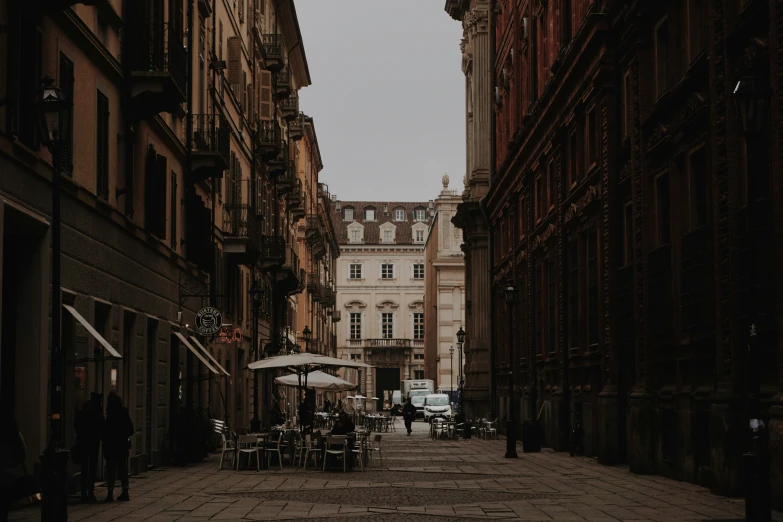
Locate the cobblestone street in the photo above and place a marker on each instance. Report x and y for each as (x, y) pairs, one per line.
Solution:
(420, 479)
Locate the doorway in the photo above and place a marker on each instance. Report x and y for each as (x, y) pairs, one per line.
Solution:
(387, 380)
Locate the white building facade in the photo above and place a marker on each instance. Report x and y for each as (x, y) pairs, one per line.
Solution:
(380, 292)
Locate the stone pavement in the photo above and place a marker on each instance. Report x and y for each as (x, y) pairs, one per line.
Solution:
(420, 480)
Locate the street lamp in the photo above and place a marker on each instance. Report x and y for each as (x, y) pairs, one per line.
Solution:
(460, 379)
(451, 368)
(257, 296)
(751, 103)
(53, 120)
(307, 333)
(511, 431)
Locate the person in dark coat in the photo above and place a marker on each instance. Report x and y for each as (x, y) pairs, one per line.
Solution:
(89, 428)
(305, 416)
(116, 433)
(408, 414)
(344, 425)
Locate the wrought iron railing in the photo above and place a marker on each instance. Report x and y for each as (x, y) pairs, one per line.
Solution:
(281, 80)
(273, 248)
(211, 133)
(273, 46)
(240, 222)
(156, 47)
(268, 133)
(289, 107)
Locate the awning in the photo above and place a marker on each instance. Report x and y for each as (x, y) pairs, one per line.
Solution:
(93, 332)
(197, 353)
(196, 341)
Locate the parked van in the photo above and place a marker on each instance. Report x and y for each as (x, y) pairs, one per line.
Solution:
(396, 398)
(437, 405)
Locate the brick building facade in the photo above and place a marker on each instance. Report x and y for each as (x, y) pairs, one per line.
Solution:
(618, 211)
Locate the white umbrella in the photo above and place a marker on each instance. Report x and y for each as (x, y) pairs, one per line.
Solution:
(303, 364)
(319, 381)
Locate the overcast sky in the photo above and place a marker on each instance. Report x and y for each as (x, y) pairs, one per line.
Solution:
(387, 96)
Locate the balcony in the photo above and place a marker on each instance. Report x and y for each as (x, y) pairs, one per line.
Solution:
(289, 107)
(386, 343)
(290, 278)
(273, 51)
(286, 184)
(296, 202)
(295, 129)
(314, 287)
(210, 147)
(280, 164)
(281, 82)
(241, 235)
(272, 251)
(269, 139)
(337, 316)
(158, 68)
(328, 297)
(315, 236)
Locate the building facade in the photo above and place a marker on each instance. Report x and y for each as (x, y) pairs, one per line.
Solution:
(444, 294)
(380, 292)
(620, 209)
(179, 192)
(478, 391)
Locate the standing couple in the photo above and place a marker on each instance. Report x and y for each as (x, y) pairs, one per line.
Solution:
(114, 431)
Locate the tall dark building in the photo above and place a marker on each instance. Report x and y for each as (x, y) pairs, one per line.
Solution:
(622, 214)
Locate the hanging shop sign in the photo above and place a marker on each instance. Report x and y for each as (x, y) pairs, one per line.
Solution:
(227, 335)
(209, 320)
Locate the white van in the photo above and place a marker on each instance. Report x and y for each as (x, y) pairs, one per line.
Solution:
(437, 405)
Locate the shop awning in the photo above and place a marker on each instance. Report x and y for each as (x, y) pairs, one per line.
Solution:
(98, 337)
(206, 352)
(196, 352)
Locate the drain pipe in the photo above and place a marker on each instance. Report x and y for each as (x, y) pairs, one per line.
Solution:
(483, 204)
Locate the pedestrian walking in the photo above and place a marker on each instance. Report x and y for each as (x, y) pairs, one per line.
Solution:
(116, 442)
(408, 414)
(89, 428)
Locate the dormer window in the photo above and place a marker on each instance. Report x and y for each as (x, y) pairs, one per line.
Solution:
(399, 214)
(348, 213)
(387, 236)
(420, 236)
(369, 214)
(420, 214)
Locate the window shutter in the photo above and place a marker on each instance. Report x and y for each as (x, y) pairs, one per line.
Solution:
(66, 84)
(174, 209)
(259, 197)
(102, 147)
(243, 86)
(149, 189)
(241, 11)
(265, 95)
(251, 106)
(161, 178)
(234, 62)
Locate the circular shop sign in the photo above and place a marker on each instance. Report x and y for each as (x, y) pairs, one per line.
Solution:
(208, 321)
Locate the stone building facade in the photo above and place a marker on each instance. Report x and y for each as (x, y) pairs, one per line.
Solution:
(619, 210)
(380, 291)
(179, 191)
(478, 391)
(444, 294)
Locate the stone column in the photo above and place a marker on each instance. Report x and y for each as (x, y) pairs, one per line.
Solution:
(478, 67)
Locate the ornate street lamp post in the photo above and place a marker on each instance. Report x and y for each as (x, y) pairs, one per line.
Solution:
(307, 333)
(460, 378)
(53, 119)
(511, 425)
(451, 368)
(751, 103)
(257, 296)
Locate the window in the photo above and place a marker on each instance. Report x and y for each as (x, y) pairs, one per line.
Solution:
(356, 325)
(538, 281)
(626, 123)
(522, 216)
(66, 84)
(662, 56)
(573, 161)
(418, 356)
(573, 294)
(387, 325)
(418, 374)
(662, 225)
(419, 214)
(696, 28)
(539, 202)
(592, 285)
(628, 234)
(552, 175)
(551, 272)
(174, 210)
(387, 236)
(420, 236)
(348, 214)
(418, 326)
(592, 139)
(102, 147)
(356, 236)
(387, 271)
(356, 357)
(418, 271)
(369, 214)
(399, 215)
(355, 271)
(697, 188)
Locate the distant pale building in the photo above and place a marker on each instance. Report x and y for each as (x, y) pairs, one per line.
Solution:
(380, 291)
(444, 295)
